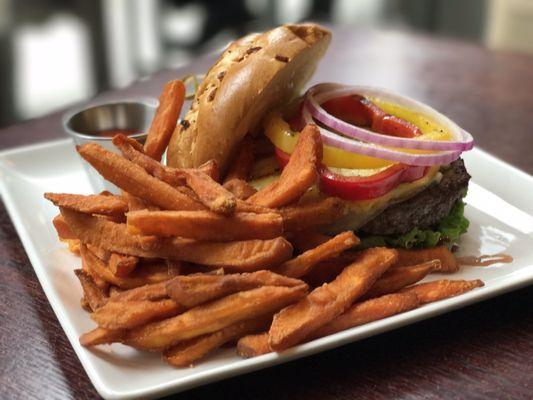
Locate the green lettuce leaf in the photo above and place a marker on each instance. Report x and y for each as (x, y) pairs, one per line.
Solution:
(447, 232)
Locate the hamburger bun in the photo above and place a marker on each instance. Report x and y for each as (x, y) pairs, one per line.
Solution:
(255, 74)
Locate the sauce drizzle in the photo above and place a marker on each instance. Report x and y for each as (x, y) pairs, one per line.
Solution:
(485, 260)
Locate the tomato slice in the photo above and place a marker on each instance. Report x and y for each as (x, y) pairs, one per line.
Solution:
(358, 110)
(354, 188)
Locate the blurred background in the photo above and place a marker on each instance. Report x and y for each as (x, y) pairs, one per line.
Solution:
(57, 52)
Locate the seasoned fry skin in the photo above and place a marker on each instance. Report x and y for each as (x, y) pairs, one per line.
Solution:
(293, 324)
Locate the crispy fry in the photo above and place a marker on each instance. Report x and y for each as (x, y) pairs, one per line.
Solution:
(130, 314)
(299, 174)
(253, 345)
(293, 324)
(89, 204)
(153, 292)
(149, 273)
(307, 240)
(206, 225)
(326, 271)
(193, 290)
(242, 162)
(213, 195)
(136, 203)
(368, 311)
(441, 289)
(264, 166)
(101, 335)
(249, 255)
(240, 189)
(397, 278)
(186, 353)
(135, 180)
(88, 265)
(73, 245)
(311, 214)
(301, 265)
(214, 316)
(165, 119)
(121, 265)
(448, 263)
(102, 254)
(94, 296)
(62, 228)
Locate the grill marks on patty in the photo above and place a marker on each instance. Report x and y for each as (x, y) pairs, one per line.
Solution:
(426, 208)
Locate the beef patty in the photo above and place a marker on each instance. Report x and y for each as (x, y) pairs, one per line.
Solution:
(425, 209)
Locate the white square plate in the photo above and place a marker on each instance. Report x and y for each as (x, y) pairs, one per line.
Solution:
(500, 209)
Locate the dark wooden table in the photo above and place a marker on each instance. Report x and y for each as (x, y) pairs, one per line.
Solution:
(483, 351)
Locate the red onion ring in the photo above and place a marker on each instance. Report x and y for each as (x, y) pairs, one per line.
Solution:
(323, 92)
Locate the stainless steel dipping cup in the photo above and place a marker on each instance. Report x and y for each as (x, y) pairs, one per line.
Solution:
(85, 123)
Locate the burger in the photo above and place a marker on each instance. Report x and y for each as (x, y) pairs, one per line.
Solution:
(393, 162)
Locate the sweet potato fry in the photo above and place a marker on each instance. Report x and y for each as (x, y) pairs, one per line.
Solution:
(121, 265)
(242, 161)
(397, 278)
(253, 345)
(442, 289)
(293, 324)
(307, 240)
(165, 119)
(248, 255)
(186, 353)
(326, 271)
(94, 296)
(368, 311)
(101, 335)
(62, 228)
(88, 265)
(448, 263)
(153, 292)
(240, 189)
(299, 174)
(89, 204)
(136, 203)
(73, 245)
(135, 180)
(102, 254)
(192, 290)
(214, 316)
(311, 214)
(205, 225)
(130, 314)
(263, 167)
(301, 265)
(213, 195)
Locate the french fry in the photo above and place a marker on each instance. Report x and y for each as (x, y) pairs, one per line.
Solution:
(130, 314)
(369, 311)
(205, 225)
(397, 278)
(121, 265)
(89, 204)
(263, 167)
(73, 245)
(326, 271)
(441, 289)
(94, 296)
(192, 290)
(311, 214)
(240, 189)
(101, 335)
(136, 203)
(213, 195)
(152, 292)
(135, 180)
(302, 264)
(307, 240)
(186, 353)
(242, 161)
(253, 345)
(294, 323)
(88, 266)
(299, 174)
(448, 263)
(150, 273)
(62, 228)
(214, 316)
(165, 119)
(248, 255)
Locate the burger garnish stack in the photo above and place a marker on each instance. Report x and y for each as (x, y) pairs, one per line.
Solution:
(278, 218)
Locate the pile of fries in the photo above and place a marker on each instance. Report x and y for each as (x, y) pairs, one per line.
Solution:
(184, 261)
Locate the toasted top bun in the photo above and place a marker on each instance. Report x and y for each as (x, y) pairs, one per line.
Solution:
(254, 74)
